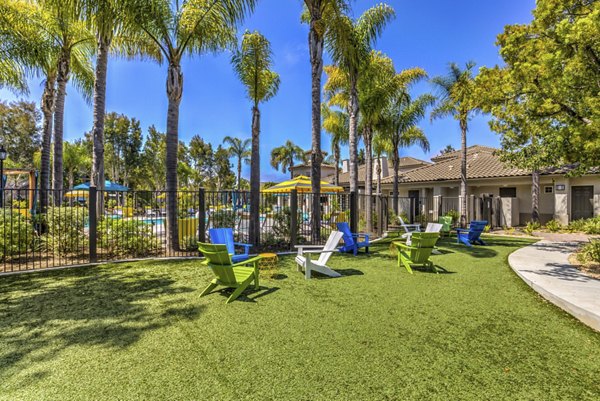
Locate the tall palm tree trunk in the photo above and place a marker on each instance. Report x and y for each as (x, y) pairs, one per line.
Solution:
(239, 174)
(378, 172)
(47, 105)
(97, 176)
(463, 174)
(368, 138)
(315, 43)
(396, 163)
(174, 92)
(336, 158)
(353, 135)
(255, 179)
(535, 196)
(59, 113)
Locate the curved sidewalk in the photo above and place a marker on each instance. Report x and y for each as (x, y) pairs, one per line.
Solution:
(545, 267)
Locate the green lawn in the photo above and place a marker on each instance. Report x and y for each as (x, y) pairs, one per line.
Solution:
(140, 331)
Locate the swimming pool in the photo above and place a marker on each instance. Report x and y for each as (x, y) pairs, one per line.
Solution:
(158, 221)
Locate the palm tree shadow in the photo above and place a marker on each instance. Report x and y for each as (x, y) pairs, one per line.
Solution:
(47, 313)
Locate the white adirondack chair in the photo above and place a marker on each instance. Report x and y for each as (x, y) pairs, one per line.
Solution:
(409, 228)
(320, 265)
(431, 228)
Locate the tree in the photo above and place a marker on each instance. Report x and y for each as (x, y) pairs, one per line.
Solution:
(241, 150)
(398, 127)
(75, 46)
(284, 157)
(174, 30)
(550, 79)
(447, 149)
(455, 99)
(20, 131)
(380, 146)
(252, 63)
(225, 177)
(335, 122)
(318, 14)
(202, 159)
(154, 149)
(123, 145)
(77, 162)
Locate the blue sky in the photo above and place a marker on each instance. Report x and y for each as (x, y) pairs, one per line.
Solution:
(427, 34)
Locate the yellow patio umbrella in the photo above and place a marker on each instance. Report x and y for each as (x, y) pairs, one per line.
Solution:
(301, 183)
(77, 193)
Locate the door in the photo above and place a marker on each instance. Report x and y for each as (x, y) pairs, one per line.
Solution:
(414, 196)
(582, 202)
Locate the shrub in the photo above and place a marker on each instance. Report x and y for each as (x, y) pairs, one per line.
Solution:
(454, 214)
(487, 228)
(282, 223)
(531, 227)
(590, 252)
(126, 237)
(16, 233)
(189, 243)
(65, 229)
(553, 226)
(588, 226)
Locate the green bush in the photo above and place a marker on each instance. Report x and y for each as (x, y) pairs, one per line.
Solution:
(454, 214)
(126, 237)
(531, 227)
(282, 223)
(590, 252)
(554, 226)
(65, 229)
(588, 226)
(189, 243)
(16, 233)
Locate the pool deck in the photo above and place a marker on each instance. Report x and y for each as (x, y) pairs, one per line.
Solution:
(545, 267)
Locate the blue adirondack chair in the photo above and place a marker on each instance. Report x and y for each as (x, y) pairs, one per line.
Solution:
(225, 236)
(351, 241)
(471, 236)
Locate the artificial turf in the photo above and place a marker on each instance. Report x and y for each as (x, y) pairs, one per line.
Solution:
(140, 331)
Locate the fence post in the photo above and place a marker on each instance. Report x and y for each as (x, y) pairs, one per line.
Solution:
(412, 204)
(201, 216)
(293, 218)
(93, 223)
(353, 212)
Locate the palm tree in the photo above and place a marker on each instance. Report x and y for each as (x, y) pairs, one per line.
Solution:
(252, 64)
(33, 38)
(76, 43)
(455, 90)
(399, 126)
(241, 150)
(349, 43)
(172, 31)
(76, 160)
(380, 146)
(318, 13)
(285, 156)
(335, 122)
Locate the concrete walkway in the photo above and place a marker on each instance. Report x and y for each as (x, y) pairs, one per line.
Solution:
(545, 267)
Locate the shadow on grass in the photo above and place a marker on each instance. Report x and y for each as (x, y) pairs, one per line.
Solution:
(46, 313)
(246, 296)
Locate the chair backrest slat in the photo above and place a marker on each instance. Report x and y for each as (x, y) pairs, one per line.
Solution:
(433, 228)
(476, 228)
(346, 233)
(330, 245)
(222, 236)
(219, 261)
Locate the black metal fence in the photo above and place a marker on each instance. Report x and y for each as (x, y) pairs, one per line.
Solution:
(78, 227)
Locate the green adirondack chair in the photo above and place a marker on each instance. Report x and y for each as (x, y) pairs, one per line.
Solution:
(422, 244)
(446, 222)
(233, 275)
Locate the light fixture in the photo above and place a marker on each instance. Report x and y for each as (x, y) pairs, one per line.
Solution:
(3, 153)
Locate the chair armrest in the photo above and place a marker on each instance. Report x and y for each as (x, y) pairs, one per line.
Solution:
(322, 251)
(307, 246)
(247, 246)
(247, 261)
(465, 230)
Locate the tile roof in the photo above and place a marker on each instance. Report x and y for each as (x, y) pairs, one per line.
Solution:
(457, 153)
(404, 163)
(479, 165)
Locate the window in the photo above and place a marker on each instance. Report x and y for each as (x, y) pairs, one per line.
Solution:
(508, 192)
(548, 190)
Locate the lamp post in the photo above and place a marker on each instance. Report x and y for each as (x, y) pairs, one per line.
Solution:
(3, 155)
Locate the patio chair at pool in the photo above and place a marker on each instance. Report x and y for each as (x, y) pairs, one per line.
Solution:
(228, 274)
(418, 252)
(303, 259)
(471, 236)
(225, 236)
(351, 240)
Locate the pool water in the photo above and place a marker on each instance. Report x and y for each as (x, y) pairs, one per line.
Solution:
(156, 221)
